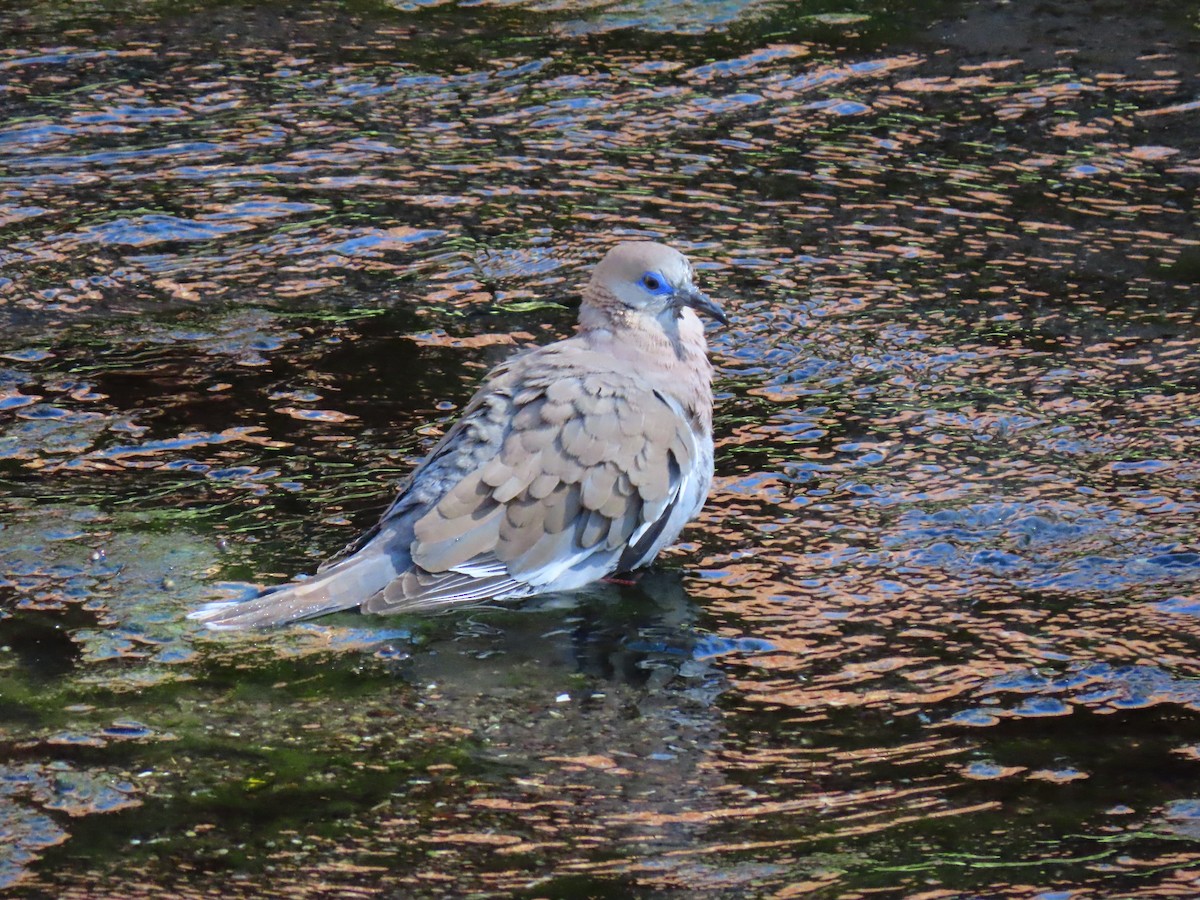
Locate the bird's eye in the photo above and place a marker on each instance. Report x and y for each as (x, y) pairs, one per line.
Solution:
(653, 282)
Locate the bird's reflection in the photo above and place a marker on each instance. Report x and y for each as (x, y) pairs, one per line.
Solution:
(639, 633)
(606, 695)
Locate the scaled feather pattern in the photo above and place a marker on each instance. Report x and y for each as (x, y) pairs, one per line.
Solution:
(572, 462)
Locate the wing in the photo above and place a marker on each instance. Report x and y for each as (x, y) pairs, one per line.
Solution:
(582, 473)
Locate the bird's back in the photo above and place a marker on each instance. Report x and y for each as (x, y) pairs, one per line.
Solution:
(566, 467)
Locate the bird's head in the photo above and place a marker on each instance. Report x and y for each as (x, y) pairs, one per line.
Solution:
(652, 279)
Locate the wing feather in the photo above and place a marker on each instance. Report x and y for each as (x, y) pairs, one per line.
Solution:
(584, 475)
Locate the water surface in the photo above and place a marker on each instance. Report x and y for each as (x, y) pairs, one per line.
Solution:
(936, 633)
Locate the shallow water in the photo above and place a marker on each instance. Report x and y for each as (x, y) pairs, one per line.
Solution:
(935, 634)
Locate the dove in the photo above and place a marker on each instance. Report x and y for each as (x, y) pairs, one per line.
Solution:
(573, 461)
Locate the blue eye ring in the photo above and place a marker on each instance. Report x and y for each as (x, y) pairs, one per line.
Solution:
(654, 283)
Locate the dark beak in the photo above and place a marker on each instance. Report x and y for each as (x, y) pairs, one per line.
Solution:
(702, 304)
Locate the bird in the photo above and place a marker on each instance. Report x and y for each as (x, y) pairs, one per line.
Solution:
(574, 461)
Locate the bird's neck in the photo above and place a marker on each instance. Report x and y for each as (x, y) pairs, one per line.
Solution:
(671, 357)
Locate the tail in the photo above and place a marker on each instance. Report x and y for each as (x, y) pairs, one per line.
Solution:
(347, 584)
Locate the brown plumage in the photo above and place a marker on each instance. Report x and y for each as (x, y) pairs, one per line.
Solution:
(571, 462)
